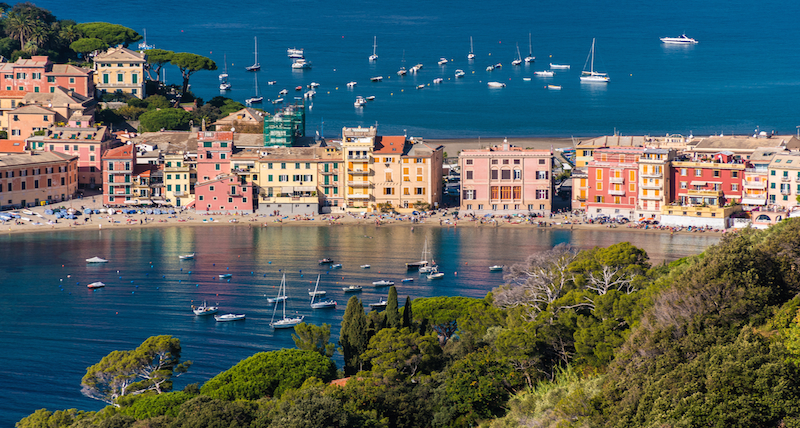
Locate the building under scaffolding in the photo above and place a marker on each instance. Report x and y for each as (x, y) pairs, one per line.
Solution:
(283, 128)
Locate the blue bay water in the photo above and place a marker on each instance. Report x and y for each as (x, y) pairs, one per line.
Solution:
(54, 327)
(742, 75)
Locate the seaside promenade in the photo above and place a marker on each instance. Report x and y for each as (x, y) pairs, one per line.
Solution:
(40, 222)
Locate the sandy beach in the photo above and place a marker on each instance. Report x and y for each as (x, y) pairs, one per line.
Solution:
(40, 222)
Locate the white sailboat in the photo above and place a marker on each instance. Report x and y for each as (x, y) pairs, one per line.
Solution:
(256, 99)
(224, 85)
(322, 303)
(143, 46)
(470, 55)
(256, 66)
(517, 61)
(284, 322)
(423, 261)
(530, 57)
(374, 55)
(430, 267)
(592, 76)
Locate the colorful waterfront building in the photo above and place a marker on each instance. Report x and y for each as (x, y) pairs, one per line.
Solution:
(119, 164)
(784, 181)
(357, 145)
(79, 138)
(37, 178)
(218, 189)
(245, 120)
(756, 178)
(180, 176)
(654, 183)
(613, 182)
(9, 100)
(506, 180)
(120, 69)
(289, 180)
(37, 74)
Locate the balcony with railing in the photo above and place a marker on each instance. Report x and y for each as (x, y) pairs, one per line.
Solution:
(652, 174)
(290, 198)
(651, 186)
(616, 179)
(616, 192)
(786, 179)
(651, 197)
(750, 184)
(358, 157)
(330, 172)
(705, 192)
(359, 196)
(786, 191)
(357, 171)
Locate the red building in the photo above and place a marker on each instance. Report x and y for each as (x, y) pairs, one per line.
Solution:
(86, 141)
(117, 177)
(217, 189)
(711, 181)
(612, 178)
(38, 74)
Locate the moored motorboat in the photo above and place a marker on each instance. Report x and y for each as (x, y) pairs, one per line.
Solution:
(490, 68)
(229, 317)
(301, 64)
(682, 40)
(96, 259)
(554, 87)
(496, 85)
(325, 260)
(436, 275)
(407, 280)
(496, 268)
(460, 73)
(204, 309)
(402, 71)
(544, 73)
(383, 283)
(379, 304)
(225, 275)
(371, 98)
(365, 266)
(559, 66)
(376, 78)
(352, 289)
(443, 61)
(336, 266)
(351, 84)
(97, 284)
(438, 80)
(360, 101)
(186, 256)
(316, 292)
(276, 299)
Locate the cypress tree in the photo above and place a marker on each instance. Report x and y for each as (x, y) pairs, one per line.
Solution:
(392, 315)
(408, 317)
(353, 335)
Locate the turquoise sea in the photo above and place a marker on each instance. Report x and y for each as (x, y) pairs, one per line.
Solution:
(741, 76)
(54, 327)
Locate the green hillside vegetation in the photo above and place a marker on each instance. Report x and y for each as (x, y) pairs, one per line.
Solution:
(596, 338)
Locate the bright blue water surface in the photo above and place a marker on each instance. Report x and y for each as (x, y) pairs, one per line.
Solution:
(742, 74)
(53, 327)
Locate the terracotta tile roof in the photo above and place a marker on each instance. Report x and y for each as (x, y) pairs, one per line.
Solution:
(68, 70)
(12, 94)
(121, 152)
(34, 158)
(12, 146)
(389, 144)
(120, 54)
(32, 109)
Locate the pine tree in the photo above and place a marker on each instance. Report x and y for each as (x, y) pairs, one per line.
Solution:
(408, 316)
(353, 335)
(392, 315)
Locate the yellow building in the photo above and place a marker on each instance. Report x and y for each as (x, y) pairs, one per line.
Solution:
(292, 180)
(179, 178)
(120, 69)
(390, 172)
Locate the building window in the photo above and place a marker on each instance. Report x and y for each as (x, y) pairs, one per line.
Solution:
(468, 162)
(735, 174)
(119, 77)
(283, 165)
(542, 194)
(71, 80)
(698, 172)
(134, 78)
(683, 184)
(494, 174)
(468, 194)
(506, 174)
(734, 187)
(543, 175)
(517, 174)
(469, 175)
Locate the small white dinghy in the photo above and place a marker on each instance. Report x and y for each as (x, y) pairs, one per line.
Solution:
(97, 284)
(96, 259)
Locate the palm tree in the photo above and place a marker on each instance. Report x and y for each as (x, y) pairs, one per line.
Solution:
(37, 39)
(69, 34)
(19, 26)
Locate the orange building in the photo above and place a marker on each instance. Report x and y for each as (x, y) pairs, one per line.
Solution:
(34, 178)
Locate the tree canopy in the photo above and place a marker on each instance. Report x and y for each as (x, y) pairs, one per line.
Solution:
(87, 45)
(175, 119)
(150, 367)
(111, 34)
(188, 64)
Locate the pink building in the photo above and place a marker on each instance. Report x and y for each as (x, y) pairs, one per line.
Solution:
(217, 189)
(506, 180)
(117, 177)
(613, 182)
(86, 141)
(38, 74)
(25, 121)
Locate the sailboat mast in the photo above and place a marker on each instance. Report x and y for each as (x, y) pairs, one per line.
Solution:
(530, 45)
(256, 51)
(592, 66)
